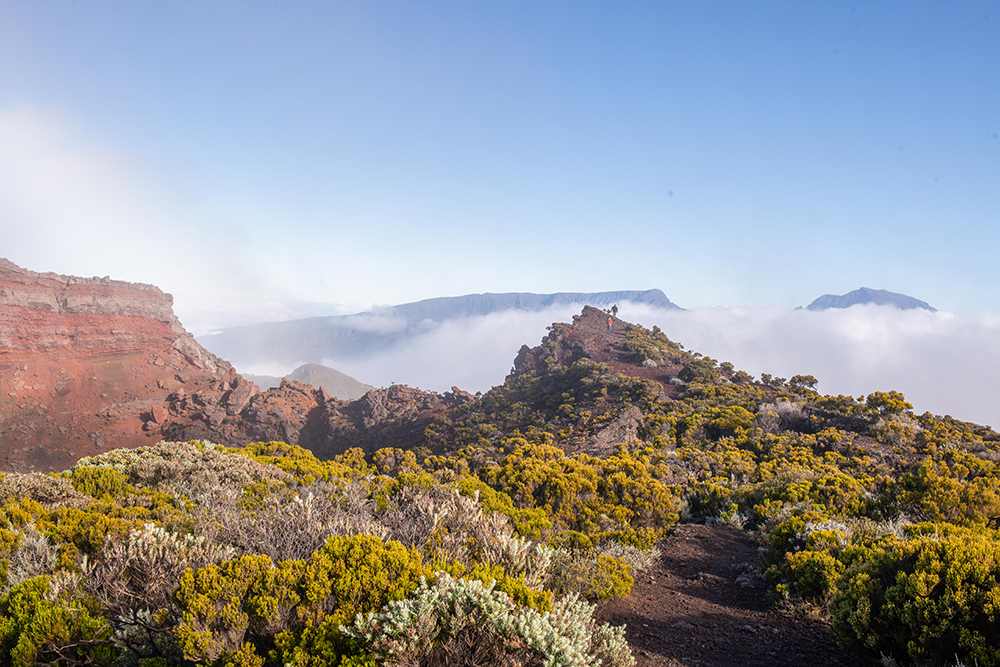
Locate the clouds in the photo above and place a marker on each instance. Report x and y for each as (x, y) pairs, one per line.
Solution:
(71, 205)
(64, 201)
(943, 363)
(473, 353)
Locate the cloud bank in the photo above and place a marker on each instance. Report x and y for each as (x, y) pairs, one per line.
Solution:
(71, 205)
(943, 363)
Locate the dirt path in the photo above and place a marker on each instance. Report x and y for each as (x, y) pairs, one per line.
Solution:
(694, 608)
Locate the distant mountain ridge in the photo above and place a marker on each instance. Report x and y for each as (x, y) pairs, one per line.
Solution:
(351, 336)
(867, 295)
(473, 305)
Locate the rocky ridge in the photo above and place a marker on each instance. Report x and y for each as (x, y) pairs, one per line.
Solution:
(93, 363)
(405, 417)
(88, 364)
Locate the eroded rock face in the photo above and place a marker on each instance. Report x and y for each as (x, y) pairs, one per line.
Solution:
(300, 414)
(87, 364)
(623, 429)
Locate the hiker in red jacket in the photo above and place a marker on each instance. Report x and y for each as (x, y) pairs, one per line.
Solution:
(609, 325)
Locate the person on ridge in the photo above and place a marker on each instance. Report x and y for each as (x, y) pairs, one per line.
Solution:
(614, 310)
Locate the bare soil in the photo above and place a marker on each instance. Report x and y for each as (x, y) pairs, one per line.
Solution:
(701, 605)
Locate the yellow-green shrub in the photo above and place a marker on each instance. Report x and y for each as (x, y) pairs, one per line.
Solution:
(925, 600)
(611, 578)
(298, 603)
(33, 627)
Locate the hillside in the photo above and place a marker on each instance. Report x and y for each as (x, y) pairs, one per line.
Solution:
(86, 364)
(365, 334)
(614, 477)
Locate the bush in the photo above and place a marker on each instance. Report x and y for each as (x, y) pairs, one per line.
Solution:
(43, 623)
(925, 600)
(472, 623)
(298, 604)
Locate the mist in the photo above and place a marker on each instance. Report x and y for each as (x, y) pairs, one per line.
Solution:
(943, 363)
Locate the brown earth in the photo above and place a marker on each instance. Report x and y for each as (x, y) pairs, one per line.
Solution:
(702, 605)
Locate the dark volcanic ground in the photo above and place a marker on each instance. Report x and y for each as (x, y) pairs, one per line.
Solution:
(694, 608)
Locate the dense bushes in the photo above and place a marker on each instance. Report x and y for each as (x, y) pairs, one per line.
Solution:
(925, 599)
(295, 605)
(44, 620)
(194, 553)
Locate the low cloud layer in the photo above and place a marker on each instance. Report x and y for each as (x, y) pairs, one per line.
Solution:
(943, 363)
(473, 353)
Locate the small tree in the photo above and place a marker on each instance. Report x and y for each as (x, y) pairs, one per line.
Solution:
(886, 403)
(803, 381)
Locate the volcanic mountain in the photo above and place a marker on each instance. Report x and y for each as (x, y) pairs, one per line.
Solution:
(878, 297)
(337, 384)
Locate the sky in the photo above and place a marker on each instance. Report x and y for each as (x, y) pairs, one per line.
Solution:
(264, 161)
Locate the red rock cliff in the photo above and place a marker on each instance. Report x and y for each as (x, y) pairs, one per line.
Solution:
(87, 364)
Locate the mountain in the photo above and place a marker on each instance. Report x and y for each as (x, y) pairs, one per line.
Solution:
(407, 418)
(88, 363)
(605, 440)
(866, 295)
(337, 384)
(351, 336)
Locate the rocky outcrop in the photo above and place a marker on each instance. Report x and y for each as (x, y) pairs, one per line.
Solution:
(588, 337)
(623, 429)
(88, 364)
(301, 414)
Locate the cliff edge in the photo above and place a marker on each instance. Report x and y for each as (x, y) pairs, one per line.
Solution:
(87, 364)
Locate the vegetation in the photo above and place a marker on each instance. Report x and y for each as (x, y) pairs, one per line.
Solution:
(491, 546)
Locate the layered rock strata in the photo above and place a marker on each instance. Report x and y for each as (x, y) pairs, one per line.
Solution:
(88, 363)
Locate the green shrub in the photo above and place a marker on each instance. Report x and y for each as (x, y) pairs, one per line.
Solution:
(612, 578)
(925, 600)
(297, 604)
(101, 483)
(814, 573)
(37, 627)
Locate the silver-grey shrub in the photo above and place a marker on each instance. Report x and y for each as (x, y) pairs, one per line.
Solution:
(196, 470)
(34, 554)
(134, 577)
(49, 490)
(288, 523)
(462, 618)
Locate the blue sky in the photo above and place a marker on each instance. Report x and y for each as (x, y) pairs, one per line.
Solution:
(271, 160)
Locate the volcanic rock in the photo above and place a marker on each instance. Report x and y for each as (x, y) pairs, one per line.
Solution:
(88, 363)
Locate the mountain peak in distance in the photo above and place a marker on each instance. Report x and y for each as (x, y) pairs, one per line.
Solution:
(337, 384)
(878, 297)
